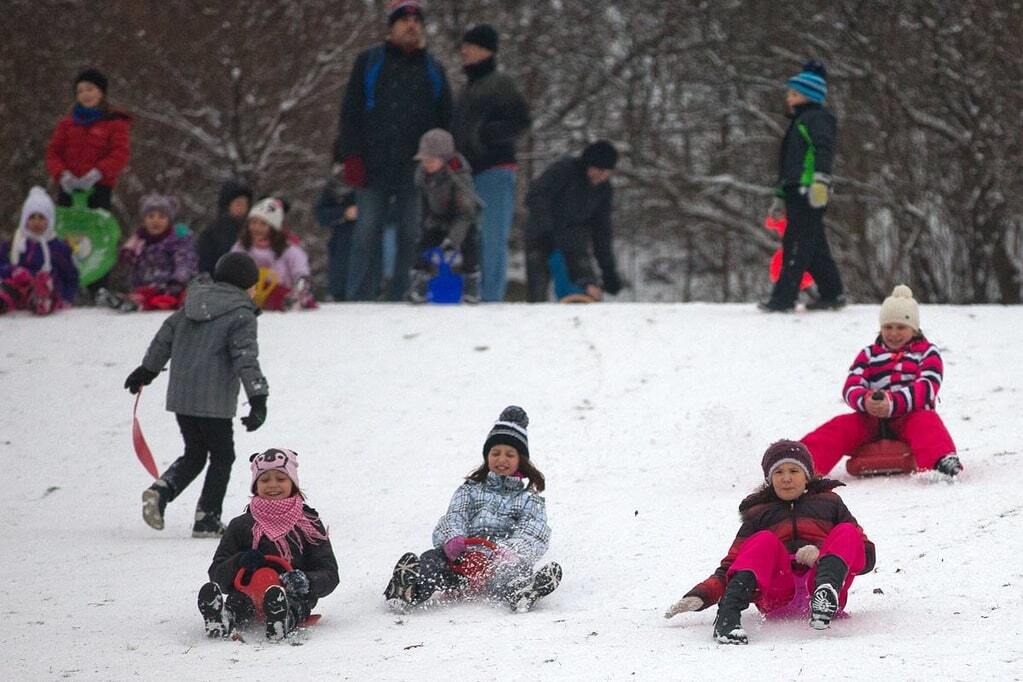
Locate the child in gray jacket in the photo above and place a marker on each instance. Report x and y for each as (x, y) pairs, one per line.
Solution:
(495, 529)
(211, 344)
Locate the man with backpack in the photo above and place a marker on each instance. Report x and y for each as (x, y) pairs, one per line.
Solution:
(396, 92)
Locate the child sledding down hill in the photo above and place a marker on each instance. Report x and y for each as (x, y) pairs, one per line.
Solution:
(275, 558)
(906, 369)
(796, 552)
(495, 529)
(36, 270)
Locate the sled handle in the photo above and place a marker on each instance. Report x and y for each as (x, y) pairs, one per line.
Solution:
(885, 430)
(80, 198)
(138, 441)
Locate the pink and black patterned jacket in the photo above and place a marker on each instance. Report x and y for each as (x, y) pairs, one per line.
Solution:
(911, 375)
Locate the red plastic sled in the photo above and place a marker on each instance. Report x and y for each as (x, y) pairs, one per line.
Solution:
(885, 457)
(475, 565)
(142, 450)
(779, 225)
(261, 579)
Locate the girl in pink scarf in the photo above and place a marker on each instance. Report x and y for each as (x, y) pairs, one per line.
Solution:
(274, 560)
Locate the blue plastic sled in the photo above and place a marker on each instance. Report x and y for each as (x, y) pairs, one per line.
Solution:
(565, 289)
(446, 286)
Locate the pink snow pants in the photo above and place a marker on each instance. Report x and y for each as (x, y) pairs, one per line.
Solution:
(922, 430)
(780, 591)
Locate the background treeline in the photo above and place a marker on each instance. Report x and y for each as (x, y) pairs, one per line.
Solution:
(928, 172)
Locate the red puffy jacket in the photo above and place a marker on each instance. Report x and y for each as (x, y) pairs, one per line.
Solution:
(104, 145)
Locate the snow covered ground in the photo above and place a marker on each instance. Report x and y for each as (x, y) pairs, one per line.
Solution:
(649, 422)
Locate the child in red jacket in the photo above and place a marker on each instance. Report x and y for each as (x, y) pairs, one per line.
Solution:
(796, 553)
(90, 145)
(906, 369)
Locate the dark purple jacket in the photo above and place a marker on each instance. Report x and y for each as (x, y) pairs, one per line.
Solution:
(167, 260)
(63, 270)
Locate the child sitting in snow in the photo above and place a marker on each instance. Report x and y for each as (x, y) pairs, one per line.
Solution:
(906, 370)
(449, 215)
(284, 265)
(36, 270)
(796, 552)
(156, 261)
(493, 532)
(277, 551)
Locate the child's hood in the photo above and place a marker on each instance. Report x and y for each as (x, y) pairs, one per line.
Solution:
(209, 300)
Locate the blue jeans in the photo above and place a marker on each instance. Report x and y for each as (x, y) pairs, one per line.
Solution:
(376, 206)
(496, 188)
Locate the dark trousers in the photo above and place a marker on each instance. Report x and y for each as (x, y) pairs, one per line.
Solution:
(805, 249)
(203, 436)
(100, 197)
(339, 251)
(538, 275)
(432, 238)
(376, 204)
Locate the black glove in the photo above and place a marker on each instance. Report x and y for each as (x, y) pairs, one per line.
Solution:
(251, 560)
(295, 583)
(139, 377)
(257, 413)
(612, 283)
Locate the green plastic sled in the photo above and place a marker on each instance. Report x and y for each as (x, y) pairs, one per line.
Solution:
(93, 234)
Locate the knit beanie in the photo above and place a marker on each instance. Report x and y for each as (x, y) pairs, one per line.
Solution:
(483, 35)
(436, 143)
(600, 154)
(237, 268)
(37, 201)
(509, 429)
(274, 458)
(396, 9)
(786, 452)
(93, 76)
(270, 211)
(812, 81)
(901, 308)
(164, 203)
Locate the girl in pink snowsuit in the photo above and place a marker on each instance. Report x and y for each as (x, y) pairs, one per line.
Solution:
(906, 370)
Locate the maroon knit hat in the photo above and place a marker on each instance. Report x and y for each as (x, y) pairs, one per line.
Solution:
(786, 452)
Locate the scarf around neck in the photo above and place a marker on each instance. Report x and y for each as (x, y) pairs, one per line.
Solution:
(86, 116)
(279, 520)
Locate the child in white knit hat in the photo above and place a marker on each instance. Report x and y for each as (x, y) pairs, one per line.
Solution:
(896, 380)
(284, 265)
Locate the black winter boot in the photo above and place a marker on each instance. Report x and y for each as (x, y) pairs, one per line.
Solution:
(419, 281)
(949, 465)
(207, 525)
(403, 579)
(211, 606)
(831, 572)
(154, 501)
(471, 287)
(240, 610)
(279, 619)
(728, 624)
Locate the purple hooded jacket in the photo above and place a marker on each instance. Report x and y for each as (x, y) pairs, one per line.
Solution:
(165, 261)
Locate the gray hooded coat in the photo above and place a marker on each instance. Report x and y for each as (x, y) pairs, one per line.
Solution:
(212, 346)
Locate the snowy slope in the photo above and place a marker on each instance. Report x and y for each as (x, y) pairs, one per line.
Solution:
(649, 422)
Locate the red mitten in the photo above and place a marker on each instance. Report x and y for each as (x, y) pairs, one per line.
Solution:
(354, 173)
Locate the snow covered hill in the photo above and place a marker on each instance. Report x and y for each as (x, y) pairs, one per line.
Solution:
(648, 421)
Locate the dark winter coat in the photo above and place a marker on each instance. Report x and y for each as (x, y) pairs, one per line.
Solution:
(489, 115)
(448, 200)
(220, 236)
(387, 137)
(104, 145)
(332, 203)
(795, 166)
(573, 215)
(804, 521)
(165, 262)
(62, 267)
(212, 347)
(316, 561)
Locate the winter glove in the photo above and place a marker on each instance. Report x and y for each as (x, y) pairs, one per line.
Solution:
(295, 583)
(684, 605)
(68, 182)
(138, 378)
(807, 555)
(776, 211)
(251, 560)
(354, 173)
(612, 283)
(820, 190)
(452, 254)
(133, 245)
(89, 179)
(257, 413)
(454, 548)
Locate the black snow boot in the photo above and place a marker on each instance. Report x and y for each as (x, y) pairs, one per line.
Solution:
(545, 581)
(207, 525)
(728, 624)
(831, 572)
(949, 465)
(239, 608)
(211, 606)
(403, 580)
(154, 501)
(279, 619)
(419, 282)
(471, 287)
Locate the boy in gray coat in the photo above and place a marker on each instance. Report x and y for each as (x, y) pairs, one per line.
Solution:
(212, 346)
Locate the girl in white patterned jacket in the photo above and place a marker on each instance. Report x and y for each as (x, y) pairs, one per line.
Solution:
(495, 529)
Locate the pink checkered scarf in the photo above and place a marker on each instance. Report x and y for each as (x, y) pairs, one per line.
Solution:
(280, 519)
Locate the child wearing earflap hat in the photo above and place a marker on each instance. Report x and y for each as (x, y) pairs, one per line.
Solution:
(895, 379)
(279, 532)
(796, 553)
(494, 530)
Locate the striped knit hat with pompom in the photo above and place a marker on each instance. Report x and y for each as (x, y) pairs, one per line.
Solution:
(812, 81)
(509, 429)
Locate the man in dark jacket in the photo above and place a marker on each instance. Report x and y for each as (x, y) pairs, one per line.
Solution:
(804, 188)
(570, 213)
(489, 116)
(396, 92)
(218, 238)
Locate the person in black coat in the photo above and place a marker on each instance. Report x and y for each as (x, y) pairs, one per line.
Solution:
(570, 215)
(336, 211)
(218, 238)
(803, 191)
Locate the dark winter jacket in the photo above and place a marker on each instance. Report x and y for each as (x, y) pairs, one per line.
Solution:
(332, 203)
(62, 267)
(212, 347)
(316, 561)
(220, 236)
(796, 165)
(406, 102)
(104, 145)
(573, 215)
(804, 521)
(167, 261)
(489, 115)
(448, 200)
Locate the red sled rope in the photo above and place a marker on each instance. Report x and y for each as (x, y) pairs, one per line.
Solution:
(142, 450)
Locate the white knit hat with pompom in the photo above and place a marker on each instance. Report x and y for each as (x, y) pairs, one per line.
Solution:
(901, 308)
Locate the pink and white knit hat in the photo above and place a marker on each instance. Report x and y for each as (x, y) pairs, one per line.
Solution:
(274, 458)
